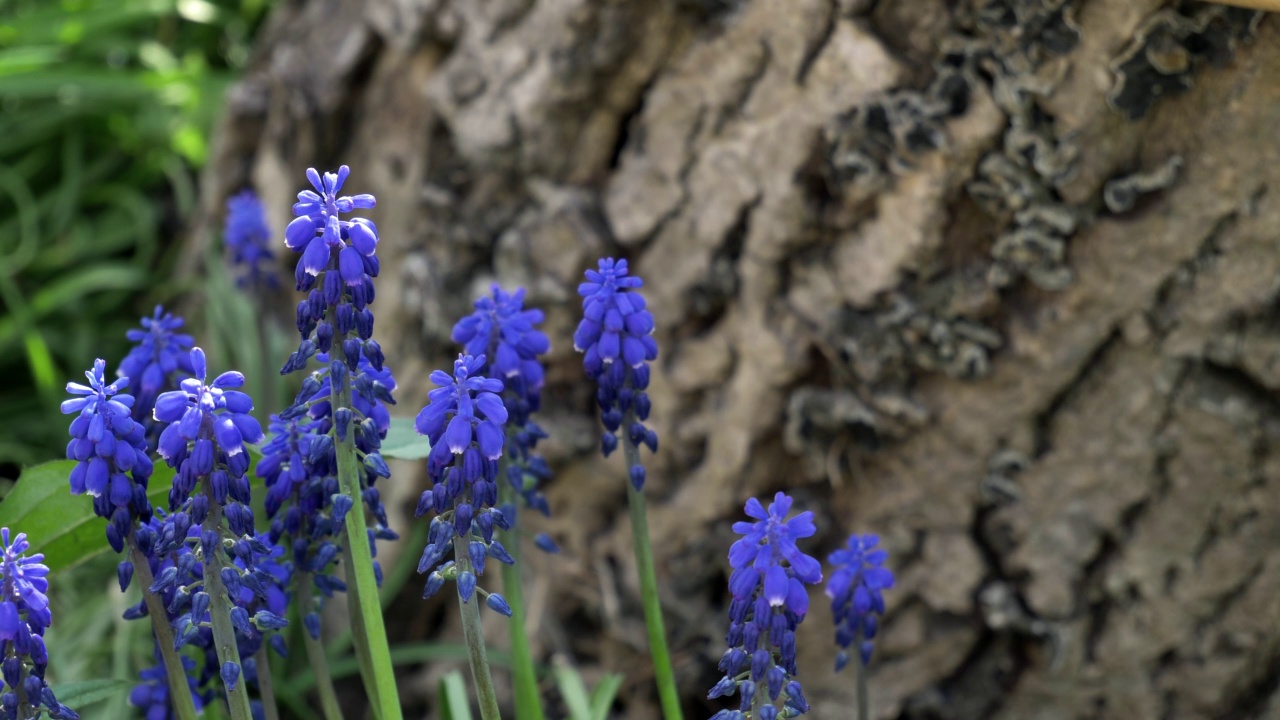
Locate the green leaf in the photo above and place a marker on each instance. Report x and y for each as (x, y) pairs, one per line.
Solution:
(602, 697)
(59, 524)
(454, 703)
(76, 695)
(573, 691)
(403, 441)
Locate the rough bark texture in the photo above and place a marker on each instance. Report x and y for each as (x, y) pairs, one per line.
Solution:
(996, 279)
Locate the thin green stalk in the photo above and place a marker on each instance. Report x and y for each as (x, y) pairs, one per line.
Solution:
(183, 706)
(663, 674)
(472, 631)
(362, 585)
(266, 691)
(224, 634)
(392, 582)
(315, 654)
(528, 700)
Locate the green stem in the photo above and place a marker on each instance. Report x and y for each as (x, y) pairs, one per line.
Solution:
(528, 699)
(663, 675)
(362, 585)
(474, 635)
(315, 653)
(266, 691)
(224, 634)
(179, 693)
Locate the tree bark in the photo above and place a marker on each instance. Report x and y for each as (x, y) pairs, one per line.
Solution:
(995, 279)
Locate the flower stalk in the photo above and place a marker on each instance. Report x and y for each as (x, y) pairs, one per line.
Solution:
(473, 633)
(316, 656)
(525, 681)
(664, 676)
(182, 705)
(362, 584)
(224, 634)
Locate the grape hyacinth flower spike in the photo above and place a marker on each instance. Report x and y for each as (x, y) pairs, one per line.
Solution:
(336, 269)
(615, 336)
(209, 424)
(615, 327)
(502, 330)
(248, 240)
(24, 616)
(110, 451)
(113, 467)
(160, 359)
(856, 589)
(463, 419)
(769, 602)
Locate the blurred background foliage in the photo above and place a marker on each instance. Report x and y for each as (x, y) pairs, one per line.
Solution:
(106, 107)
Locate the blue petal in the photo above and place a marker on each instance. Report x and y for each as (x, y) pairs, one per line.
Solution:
(458, 435)
(491, 406)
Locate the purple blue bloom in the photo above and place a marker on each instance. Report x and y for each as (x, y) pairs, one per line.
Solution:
(505, 333)
(615, 336)
(209, 424)
(248, 240)
(856, 588)
(463, 419)
(110, 450)
(769, 602)
(24, 617)
(339, 256)
(160, 359)
(151, 696)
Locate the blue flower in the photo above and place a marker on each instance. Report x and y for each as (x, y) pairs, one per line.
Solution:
(463, 419)
(110, 450)
(504, 332)
(319, 233)
(160, 359)
(616, 339)
(769, 602)
(248, 238)
(339, 254)
(212, 411)
(856, 589)
(462, 395)
(24, 616)
(209, 423)
(151, 696)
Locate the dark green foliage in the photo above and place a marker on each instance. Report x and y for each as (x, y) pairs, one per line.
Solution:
(105, 111)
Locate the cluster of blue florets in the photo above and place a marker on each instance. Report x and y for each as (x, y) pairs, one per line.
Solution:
(24, 617)
(506, 334)
(248, 239)
(463, 418)
(616, 339)
(158, 361)
(110, 450)
(769, 601)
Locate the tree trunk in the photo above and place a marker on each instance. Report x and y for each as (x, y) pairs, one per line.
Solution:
(995, 279)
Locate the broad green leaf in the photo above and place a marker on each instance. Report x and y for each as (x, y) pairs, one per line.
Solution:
(403, 441)
(76, 695)
(454, 703)
(573, 691)
(59, 524)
